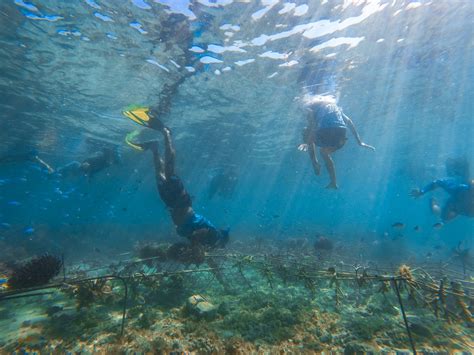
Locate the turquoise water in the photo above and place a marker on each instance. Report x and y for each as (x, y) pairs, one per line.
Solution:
(402, 70)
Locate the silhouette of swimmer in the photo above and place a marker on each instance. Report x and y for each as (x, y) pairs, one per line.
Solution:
(223, 183)
(90, 166)
(96, 162)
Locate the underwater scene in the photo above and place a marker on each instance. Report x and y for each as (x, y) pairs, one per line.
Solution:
(236, 177)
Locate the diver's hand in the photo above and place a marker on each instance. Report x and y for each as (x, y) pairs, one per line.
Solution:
(416, 193)
(362, 144)
(303, 147)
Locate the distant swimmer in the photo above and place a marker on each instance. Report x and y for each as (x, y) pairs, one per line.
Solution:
(460, 201)
(458, 185)
(223, 183)
(96, 162)
(327, 126)
(90, 166)
(196, 228)
(29, 155)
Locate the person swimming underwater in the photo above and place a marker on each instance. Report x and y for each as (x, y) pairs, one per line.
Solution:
(190, 225)
(460, 201)
(223, 183)
(30, 155)
(327, 126)
(93, 164)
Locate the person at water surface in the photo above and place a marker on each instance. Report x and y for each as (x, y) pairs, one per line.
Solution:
(195, 227)
(460, 201)
(327, 126)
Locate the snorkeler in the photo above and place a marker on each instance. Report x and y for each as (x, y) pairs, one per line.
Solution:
(196, 228)
(93, 164)
(88, 167)
(460, 202)
(30, 155)
(223, 183)
(327, 126)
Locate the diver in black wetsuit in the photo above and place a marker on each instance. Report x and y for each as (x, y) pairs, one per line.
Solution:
(98, 161)
(30, 155)
(93, 164)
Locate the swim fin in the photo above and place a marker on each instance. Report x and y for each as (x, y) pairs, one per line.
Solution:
(138, 114)
(130, 137)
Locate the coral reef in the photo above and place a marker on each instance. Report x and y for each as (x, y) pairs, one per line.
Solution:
(36, 272)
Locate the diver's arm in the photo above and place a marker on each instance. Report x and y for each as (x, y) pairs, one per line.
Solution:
(43, 164)
(351, 126)
(446, 184)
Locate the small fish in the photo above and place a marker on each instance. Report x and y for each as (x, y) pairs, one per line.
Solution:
(429, 254)
(6, 225)
(399, 225)
(125, 209)
(14, 203)
(438, 225)
(29, 230)
(276, 215)
(97, 250)
(416, 228)
(437, 247)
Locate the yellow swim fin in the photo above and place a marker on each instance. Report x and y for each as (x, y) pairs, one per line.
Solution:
(130, 137)
(138, 114)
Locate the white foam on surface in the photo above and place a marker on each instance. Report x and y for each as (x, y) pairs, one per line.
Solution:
(274, 55)
(26, 5)
(138, 27)
(103, 17)
(196, 49)
(339, 41)
(413, 5)
(210, 60)
(154, 62)
(323, 27)
(93, 4)
(301, 10)
(287, 7)
(220, 49)
(228, 26)
(215, 3)
(241, 63)
(289, 64)
(175, 64)
(141, 4)
(178, 7)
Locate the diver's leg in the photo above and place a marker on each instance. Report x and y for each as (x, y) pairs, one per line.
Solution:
(170, 154)
(157, 164)
(449, 211)
(325, 153)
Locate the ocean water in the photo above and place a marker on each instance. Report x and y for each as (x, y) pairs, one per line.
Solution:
(401, 70)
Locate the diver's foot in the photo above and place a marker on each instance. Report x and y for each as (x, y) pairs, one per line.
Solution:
(156, 124)
(149, 145)
(332, 185)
